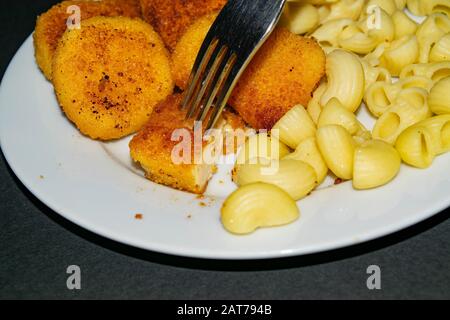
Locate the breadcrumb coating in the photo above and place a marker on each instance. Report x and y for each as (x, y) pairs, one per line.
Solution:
(284, 73)
(51, 25)
(152, 148)
(110, 74)
(171, 18)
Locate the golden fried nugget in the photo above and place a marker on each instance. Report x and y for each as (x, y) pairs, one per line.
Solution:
(51, 25)
(152, 148)
(186, 50)
(283, 73)
(110, 74)
(171, 18)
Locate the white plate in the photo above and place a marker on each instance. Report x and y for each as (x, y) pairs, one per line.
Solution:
(96, 186)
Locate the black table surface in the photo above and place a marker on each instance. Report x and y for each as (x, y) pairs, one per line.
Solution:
(37, 246)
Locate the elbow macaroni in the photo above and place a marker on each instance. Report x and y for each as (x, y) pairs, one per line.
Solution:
(295, 177)
(314, 108)
(337, 147)
(308, 152)
(334, 113)
(430, 32)
(345, 79)
(409, 108)
(403, 25)
(256, 206)
(327, 136)
(441, 50)
(374, 74)
(433, 71)
(439, 98)
(400, 53)
(419, 144)
(294, 127)
(426, 7)
(379, 97)
(375, 164)
(300, 18)
(261, 146)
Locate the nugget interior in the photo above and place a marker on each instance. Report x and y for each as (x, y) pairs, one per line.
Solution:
(284, 73)
(50, 26)
(152, 148)
(171, 18)
(109, 75)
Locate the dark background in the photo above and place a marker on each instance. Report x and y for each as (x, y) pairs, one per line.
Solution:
(36, 247)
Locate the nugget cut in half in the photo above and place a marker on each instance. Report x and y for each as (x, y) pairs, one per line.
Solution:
(51, 25)
(110, 74)
(284, 73)
(160, 147)
(171, 18)
(154, 149)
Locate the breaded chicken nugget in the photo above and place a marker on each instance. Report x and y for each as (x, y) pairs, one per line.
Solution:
(283, 73)
(152, 148)
(186, 50)
(109, 75)
(171, 18)
(51, 25)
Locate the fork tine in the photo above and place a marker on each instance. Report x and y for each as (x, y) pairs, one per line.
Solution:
(243, 26)
(217, 85)
(225, 92)
(199, 66)
(208, 80)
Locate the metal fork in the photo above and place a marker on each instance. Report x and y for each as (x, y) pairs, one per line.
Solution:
(239, 31)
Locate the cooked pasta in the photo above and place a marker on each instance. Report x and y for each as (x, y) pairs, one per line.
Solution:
(344, 9)
(354, 39)
(401, 4)
(295, 126)
(426, 7)
(409, 108)
(328, 33)
(439, 127)
(258, 205)
(414, 81)
(295, 177)
(345, 79)
(337, 147)
(335, 113)
(434, 71)
(299, 17)
(382, 28)
(430, 32)
(419, 144)
(400, 53)
(374, 74)
(368, 44)
(261, 146)
(414, 7)
(441, 50)
(390, 6)
(435, 6)
(380, 96)
(314, 108)
(415, 146)
(308, 152)
(439, 98)
(403, 25)
(375, 164)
